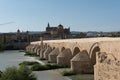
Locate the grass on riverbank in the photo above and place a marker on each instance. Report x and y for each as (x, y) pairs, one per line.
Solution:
(35, 66)
(68, 73)
(27, 53)
(14, 73)
(39, 67)
(28, 63)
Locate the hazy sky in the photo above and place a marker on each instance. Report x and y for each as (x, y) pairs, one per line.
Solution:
(79, 15)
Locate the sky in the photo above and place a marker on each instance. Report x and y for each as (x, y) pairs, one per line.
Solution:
(79, 15)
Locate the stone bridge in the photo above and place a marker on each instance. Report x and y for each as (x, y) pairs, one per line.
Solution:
(88, 55)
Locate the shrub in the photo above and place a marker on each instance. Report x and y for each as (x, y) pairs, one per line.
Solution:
(25, 73)
(9, 73)
(68, 73)
(22, 73)
(30, 54)
(54, 66)
(0, 73)
(28, 63)
(38, 67)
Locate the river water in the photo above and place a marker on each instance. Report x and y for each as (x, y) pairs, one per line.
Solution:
(12, 58)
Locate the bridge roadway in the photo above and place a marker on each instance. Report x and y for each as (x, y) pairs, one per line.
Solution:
(78, 54)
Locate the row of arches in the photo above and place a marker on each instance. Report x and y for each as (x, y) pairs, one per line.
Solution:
(77, 59)
(92, 53)
(81, 58)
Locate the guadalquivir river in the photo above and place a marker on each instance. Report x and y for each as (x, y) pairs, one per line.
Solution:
(12, 58)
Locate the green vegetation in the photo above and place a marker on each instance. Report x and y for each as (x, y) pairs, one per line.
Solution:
(22, 73)
(0, 73)
(55, 66)
(68, 73)
(30, 54)
(35, 66)
(39, 67)
(28, 63)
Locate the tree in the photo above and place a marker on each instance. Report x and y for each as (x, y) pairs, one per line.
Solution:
(25, 73)
(9, 74)
(22, 73)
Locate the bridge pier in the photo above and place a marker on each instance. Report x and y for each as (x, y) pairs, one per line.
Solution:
(38, 51)
(47, 52)
(80, 63)
(64, 57)
(80, 55)
(53, 56)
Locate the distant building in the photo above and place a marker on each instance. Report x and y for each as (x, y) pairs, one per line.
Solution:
(92, 34)
(19, 40)
(58, 32)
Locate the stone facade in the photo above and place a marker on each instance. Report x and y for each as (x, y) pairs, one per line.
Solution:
(107, 67)
(58, 32)
(62, 59)
(47, 52)
(53, 56)
(80, 63)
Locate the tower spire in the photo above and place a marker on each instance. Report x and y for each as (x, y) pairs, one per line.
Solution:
(48, 25)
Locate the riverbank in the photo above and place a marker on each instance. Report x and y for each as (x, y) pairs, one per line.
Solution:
(13, 58)
(56, 75)
(52, 74)
(49, 75)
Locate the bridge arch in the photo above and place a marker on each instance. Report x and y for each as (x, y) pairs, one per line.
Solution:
(93, 50)
(62, 49)
(76, 50)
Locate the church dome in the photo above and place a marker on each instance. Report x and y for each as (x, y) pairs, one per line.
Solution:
(60, 26)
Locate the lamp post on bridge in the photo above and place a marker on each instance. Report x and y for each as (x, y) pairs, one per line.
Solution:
(41, 51)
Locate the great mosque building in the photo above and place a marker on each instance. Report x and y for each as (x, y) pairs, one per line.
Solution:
(19, 40)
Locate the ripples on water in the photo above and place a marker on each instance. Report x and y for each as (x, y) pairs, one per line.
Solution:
(12, 58)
